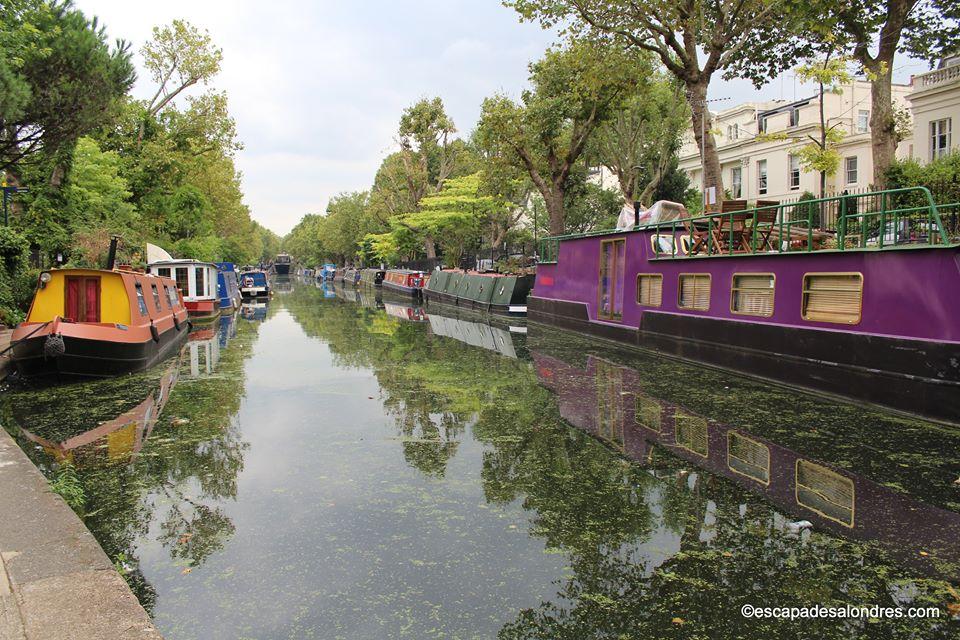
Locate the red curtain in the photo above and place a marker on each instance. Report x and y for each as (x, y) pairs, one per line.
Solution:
(72, 308)
(92, 300)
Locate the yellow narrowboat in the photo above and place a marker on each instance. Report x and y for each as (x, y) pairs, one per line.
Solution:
(99, 323)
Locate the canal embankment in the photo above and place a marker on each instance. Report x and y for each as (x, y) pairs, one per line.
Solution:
(55, 580)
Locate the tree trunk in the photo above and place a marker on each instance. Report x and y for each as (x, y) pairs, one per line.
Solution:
(430, 247)
(554, 204)
(882, 124)
(700, 118)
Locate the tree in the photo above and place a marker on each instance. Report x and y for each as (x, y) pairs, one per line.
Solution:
(573, 89)
(178, 57)
(638, 142)
(694, 39)
(59, 80)
(875, 31)
(820, 153)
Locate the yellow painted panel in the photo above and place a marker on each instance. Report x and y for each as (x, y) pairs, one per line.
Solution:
(114, 305)
(48, 302)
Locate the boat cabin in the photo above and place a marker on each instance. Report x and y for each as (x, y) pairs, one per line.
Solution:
(197, 282)
(254, 284)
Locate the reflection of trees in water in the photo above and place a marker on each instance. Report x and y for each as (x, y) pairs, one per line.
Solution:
(666, 550)
(192, 459)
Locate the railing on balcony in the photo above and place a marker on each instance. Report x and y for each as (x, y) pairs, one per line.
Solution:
(893, 218)
(938, 76)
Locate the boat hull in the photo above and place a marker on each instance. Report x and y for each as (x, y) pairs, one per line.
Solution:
(282, 269)
(95, 358)
(915, 376)
(407, 292)
(254, 292)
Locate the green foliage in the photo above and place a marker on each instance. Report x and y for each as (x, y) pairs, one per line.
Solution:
(68, 486)
(941, 176)
(59, 78)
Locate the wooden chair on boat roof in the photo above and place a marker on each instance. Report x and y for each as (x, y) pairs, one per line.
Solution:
(766, 222)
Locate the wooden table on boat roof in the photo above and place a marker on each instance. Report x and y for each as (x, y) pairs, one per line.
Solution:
(733, 233)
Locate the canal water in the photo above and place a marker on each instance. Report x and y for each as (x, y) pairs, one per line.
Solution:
(334, 464)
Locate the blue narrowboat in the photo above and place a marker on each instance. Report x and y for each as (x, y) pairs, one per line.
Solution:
(228, 287)
(254, 284)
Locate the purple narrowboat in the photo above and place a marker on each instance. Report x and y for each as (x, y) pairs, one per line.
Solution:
(856, 296)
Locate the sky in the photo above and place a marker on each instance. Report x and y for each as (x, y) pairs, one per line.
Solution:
(317, 86)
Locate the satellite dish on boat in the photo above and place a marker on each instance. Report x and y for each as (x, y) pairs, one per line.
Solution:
(156, 254)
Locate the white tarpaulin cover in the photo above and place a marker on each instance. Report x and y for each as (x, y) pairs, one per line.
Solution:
(659, 211)
(156, 254)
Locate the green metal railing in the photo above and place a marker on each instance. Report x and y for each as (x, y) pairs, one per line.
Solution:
(906, 217)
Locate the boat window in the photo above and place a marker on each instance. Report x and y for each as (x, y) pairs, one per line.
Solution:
(825, 492)
(751, 294)
(200, 272)
(663, 245)
(691, 433)
(748, 457)
(82, 299)
(833, 297)
(650, 289)
(156, 297)
(694, 291)
(648, 413)
(172, 297)
(141, 301)
(182, 281)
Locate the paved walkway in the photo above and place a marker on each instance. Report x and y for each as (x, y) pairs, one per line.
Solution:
(56, 583)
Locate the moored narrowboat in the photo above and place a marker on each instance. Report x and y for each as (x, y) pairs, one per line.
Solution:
(228, 287)
(99, 323)
(197, 282)
(254, 284)
(493, 292)
(372, 277)
(281, 265)
(327, 272)
(351, 277)
(852, 295)
(406, 282)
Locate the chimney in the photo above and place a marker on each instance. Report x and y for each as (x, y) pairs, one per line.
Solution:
(112, 256)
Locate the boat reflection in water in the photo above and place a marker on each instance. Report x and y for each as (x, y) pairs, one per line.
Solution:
(478, 334)
(254, 309)
(282, 285)
(87, 438)
(413, 313)
(615, 403)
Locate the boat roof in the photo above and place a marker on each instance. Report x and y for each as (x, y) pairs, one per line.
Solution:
(182, 261)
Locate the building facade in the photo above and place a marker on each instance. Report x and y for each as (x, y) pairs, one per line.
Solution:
(768, 168)
(935, 105)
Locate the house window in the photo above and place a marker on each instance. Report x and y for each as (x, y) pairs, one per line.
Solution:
(694, 291)
(752, 294)
(748, 457)
(763, 125)
(794, 116)
(863, 121)
(940, 138)
(736, 182)
(141, 301)
(650, 289)
(825, 491)
(832, 297)
(793, 178)
(163, 272)
(762, 177)
(733, 131)
(850, 169)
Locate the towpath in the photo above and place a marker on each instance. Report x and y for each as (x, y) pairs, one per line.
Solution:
(56, 583)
